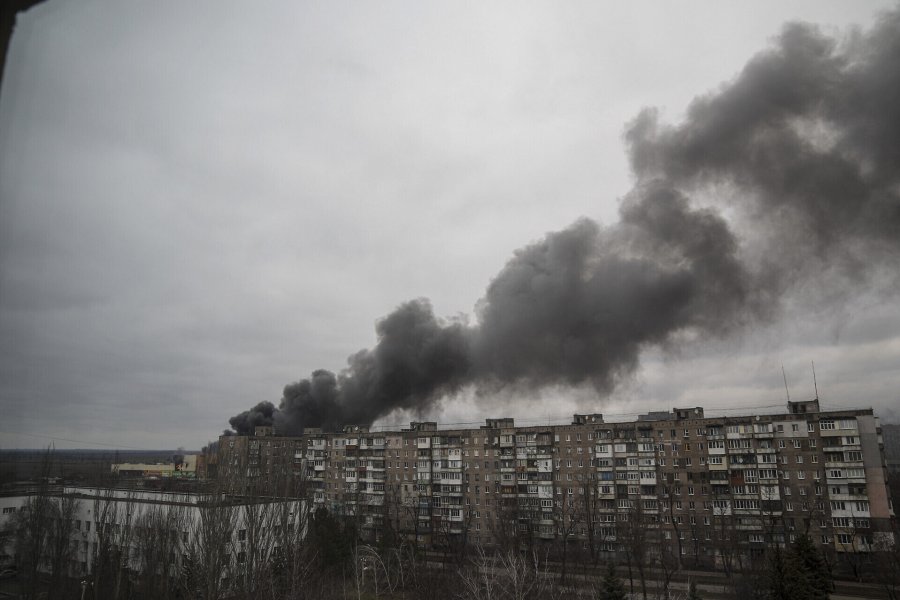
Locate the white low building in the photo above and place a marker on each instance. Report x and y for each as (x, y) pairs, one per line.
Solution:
(150, 531)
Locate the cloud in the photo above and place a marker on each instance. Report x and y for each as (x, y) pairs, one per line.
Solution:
(198, 205)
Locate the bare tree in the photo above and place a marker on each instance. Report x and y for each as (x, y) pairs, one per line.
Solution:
(504, 526)
(255, 546)
(631, 532)
(126, 554)
(292, 560)
(589, 514)
(666, 547)
(31, 527)
(160, 537)
(60, 549)
(566, 515)
(104, 557)
(887, 562)
(507, 574)
(207, 558)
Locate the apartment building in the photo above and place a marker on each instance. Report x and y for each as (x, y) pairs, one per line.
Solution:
(702, 487)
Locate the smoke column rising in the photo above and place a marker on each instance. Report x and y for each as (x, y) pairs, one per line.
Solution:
(802, 150)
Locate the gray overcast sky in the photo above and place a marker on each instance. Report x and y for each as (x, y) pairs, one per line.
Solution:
(200, 202)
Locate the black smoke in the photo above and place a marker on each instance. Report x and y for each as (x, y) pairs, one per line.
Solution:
(260, 415)
(801, 151)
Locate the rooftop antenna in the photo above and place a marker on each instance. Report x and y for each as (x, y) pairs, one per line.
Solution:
(815, 385)
(786, 391)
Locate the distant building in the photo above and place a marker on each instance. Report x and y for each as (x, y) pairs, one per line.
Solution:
(181, 466)
(700, 485)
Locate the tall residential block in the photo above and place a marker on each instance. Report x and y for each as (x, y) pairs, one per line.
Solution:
(705, 488)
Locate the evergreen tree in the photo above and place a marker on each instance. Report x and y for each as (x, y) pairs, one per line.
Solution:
(811, 563)
(332, 540)
(612, 588)
(692, 591)
(799, 574)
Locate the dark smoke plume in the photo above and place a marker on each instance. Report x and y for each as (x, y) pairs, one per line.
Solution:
(260, 415)
(802, 150)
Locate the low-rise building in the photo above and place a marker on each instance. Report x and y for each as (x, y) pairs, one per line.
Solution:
(149, 533)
